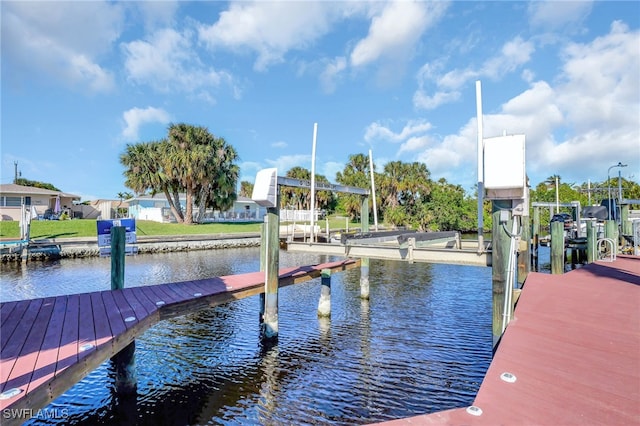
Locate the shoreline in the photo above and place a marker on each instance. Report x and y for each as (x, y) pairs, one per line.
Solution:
(73, 248)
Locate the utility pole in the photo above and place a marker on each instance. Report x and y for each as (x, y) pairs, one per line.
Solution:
(15, 167)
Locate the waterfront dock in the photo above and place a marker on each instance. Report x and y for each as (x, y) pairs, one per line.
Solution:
(49, 344)
(571, 356)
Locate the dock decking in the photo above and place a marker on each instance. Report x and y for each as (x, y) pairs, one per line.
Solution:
(571, 355)
(49, 344)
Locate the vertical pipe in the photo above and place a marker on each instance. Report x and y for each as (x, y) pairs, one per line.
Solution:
(313, 182)
(272, 265)
(324, 305)
(373, 192)
(480, 166)
(591, 241)
(557, 247)
(118, 238)
(364, 265)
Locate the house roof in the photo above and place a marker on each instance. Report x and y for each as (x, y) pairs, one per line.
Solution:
(12, 188)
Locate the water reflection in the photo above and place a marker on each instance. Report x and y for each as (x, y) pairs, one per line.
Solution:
(421, 343)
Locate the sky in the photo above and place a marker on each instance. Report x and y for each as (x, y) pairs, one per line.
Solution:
(82, 79)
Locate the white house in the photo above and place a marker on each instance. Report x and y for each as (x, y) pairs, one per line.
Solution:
(13, 197)
(156, 208)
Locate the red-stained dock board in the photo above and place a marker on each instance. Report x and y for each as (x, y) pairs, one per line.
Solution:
(574, 350)
(49, 344)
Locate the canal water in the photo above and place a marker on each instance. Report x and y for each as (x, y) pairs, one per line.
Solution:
(422, 343)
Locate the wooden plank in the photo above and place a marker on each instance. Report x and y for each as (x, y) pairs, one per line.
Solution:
(68, 350)
(158, 293)
(47, 358)
(177, 288)
(10, 323)
(100, 320)
(125, 309)
(165, 294)
(13, 347)
(116, 322)
(86, 328)
(5, 310)
(146, 304)
(24, 366)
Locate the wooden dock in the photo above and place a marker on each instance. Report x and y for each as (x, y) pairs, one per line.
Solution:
(49, 344)
(571, 356)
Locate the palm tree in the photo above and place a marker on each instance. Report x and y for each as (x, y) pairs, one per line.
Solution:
(246, 189)
(355, 173)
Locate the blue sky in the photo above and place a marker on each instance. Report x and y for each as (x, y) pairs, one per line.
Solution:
(80, 80)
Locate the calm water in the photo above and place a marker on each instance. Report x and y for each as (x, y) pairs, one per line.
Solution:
(422, 343)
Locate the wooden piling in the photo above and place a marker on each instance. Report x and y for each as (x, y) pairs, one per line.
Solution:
(500, 257)
(118, 238)
(625, 223)
(124, 362)
(324, 305)
(557, 247)
(524, 251)
(272, 265)
(263, 261)
(591, 242)
(364, 265)
(611, 231)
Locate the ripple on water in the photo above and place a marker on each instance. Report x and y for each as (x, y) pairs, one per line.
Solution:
(420, 344)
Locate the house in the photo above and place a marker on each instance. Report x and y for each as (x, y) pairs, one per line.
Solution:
(43, 201)
(156, 208)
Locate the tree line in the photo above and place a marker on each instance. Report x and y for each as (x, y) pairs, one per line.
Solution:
(194, 162)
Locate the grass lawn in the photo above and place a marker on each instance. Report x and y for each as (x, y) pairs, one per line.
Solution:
(88, 228)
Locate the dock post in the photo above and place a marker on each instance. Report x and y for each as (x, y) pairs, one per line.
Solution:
(364, 265)
(500, 257)
(591, 242)
(324, 305)
(611, 231)
(118, 238)
(272, 265)
(124, 362)
(263, 261)
(625, 223)
(557, 247)
(524, 251)
(535, 231)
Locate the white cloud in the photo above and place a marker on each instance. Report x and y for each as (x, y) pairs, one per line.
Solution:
(377, 131)
(588, 119)
(554, 15)
(332, 73)
(279, 144)
(387, 38)
(270, 29)
(61, 40)
(168, 62)
(513, 54)
(286, 162)
(137, 117)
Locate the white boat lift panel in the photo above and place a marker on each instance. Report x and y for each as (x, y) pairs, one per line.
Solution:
(467, 255)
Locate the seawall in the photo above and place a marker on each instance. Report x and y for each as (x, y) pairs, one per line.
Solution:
(61, 248)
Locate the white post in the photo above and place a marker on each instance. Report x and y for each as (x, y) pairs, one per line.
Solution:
(313, 181)
(557, 197)
(373, 192)
(480, 167)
